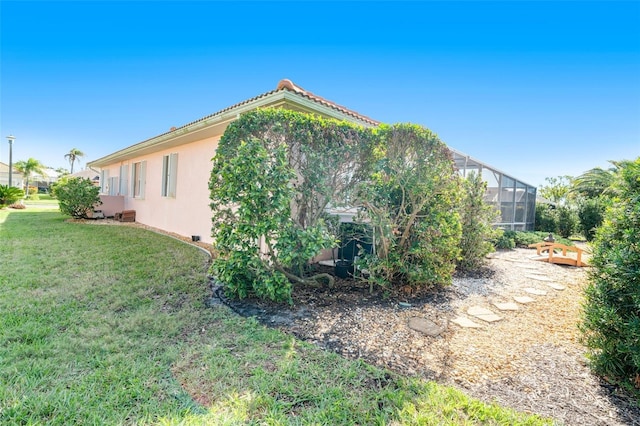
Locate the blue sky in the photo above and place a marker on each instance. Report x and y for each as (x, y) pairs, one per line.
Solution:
(535, 89)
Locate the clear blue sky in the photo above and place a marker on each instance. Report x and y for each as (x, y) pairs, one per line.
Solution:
(535, 89)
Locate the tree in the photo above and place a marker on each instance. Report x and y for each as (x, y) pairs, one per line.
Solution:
(557, 189)
(611, 321)
(477, 218)
(9, 195)
(28, 168)
(410, 199)
(73, 155)
(274, 173)
(76, 196)
(597, 182)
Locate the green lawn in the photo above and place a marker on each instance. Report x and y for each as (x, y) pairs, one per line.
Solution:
(108, 325)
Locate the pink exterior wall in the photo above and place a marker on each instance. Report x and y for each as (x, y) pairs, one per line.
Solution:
(111, 204)
(188, 213)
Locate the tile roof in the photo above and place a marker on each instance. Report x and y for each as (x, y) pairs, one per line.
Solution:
(284, 85)
(288, 85)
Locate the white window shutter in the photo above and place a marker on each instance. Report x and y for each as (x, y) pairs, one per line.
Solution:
(173, 175)
(104, 181)
(124, 179)
(143, 177)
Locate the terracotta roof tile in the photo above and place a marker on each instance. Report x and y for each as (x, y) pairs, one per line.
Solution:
(286, 84)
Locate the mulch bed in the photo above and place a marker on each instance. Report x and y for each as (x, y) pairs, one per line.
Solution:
(531, 361)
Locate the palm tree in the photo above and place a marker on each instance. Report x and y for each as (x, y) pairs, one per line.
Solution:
(73, 155)
(597, 181)
(29, 167)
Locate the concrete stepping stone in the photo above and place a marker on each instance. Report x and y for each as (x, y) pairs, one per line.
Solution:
(556, 286)
(523, 299)
(539, 278)
(483, 313)
(426, 326)
(507, 306)
(535, 291)
(465, 322)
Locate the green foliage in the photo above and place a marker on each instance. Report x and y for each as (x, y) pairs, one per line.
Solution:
(595, 182)
(476, 218)
(274, 173)
(611, 322)
(567, 221)
(591, 214)
(523, 239)
(9, 195)
(73, 155)
(546, 218)
(505, 241)
(76, 196)
(557, 189)
(124, 338)
(411, 201)
(28, 168)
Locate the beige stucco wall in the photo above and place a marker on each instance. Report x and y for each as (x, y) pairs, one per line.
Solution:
(188, 213)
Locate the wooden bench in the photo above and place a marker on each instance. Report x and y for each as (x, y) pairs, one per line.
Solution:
(125, 216)
(561, 257)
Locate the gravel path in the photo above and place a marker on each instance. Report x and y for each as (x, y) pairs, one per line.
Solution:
(531, 360)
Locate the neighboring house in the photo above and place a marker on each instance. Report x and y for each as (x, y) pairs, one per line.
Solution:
(17, 179)
(92, 175)
(165, 178)
(44, 181)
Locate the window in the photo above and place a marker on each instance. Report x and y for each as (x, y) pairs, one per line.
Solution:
(113, 186)
(169, 175)
(138, 179)
(104, 182)
(124, 179)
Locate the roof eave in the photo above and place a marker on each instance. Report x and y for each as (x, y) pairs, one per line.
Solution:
(221, 119)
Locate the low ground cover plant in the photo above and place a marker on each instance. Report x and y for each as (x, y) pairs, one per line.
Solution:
(9, 195)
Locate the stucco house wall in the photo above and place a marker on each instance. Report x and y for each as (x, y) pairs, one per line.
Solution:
(188, 213)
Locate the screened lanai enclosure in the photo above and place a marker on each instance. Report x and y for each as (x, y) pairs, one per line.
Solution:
(515, 199)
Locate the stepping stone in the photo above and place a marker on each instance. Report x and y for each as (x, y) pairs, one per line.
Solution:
(465, 322)
(425, 326)
(526, 266)
(539, 278)
(483, 313)
(535, 291)
(523, 299)
(509, 306)
(556, 286)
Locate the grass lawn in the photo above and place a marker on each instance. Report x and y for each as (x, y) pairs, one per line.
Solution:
(108, 325)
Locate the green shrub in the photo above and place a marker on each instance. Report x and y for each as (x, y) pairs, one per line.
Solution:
(567, 221)
(611, 322)
(546, 218)
(76, 196)
(591, 214)
(274, 173)
(523, 239)
(477, 218)
(410, 199)
(506, 241)
(9, 195)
